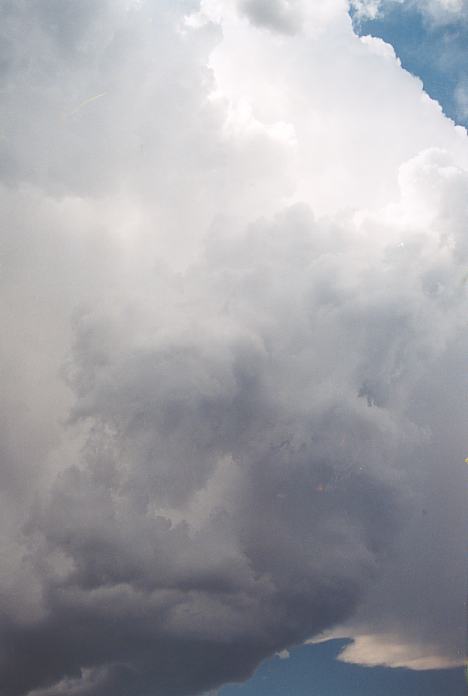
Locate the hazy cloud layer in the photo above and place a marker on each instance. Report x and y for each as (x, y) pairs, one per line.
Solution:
(233, 305)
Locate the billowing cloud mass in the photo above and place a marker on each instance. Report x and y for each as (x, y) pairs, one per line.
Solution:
(233, 272)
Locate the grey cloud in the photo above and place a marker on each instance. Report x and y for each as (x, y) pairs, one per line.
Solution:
(410, 601)
(283, 16)
(142, 588)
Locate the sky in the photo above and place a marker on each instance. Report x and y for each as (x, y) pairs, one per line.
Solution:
(233, 270)
(315, 671)
(430, 45)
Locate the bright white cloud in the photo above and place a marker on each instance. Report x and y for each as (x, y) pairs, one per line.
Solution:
(387, 650)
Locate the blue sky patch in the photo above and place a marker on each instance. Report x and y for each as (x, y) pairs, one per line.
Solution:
(434, 52)
(312, 670)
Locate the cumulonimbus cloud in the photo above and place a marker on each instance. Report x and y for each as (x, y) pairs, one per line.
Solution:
(232, 302)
